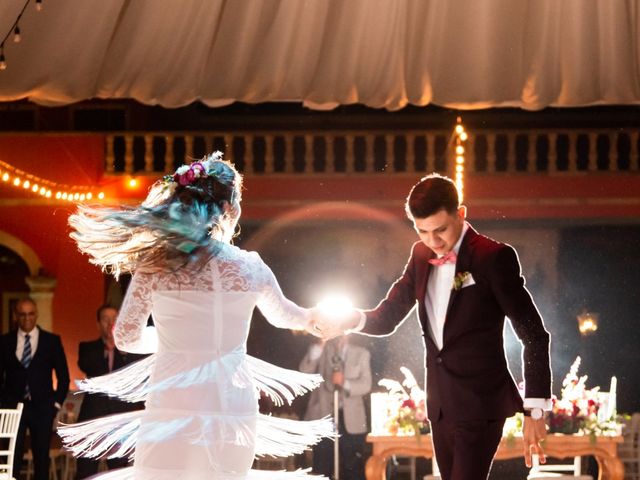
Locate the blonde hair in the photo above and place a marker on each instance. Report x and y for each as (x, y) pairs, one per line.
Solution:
(184, 220)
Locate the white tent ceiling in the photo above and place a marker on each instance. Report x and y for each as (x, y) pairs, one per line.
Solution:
(381, 53)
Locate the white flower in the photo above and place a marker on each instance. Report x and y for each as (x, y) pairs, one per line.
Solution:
(182, 170)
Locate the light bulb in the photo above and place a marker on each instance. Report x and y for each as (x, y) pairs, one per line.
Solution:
(58, 195)
(26, 184)
(5, 177)
(82, 197)
(459, 129)
(459, 149)
(101, 195)
(464, 136)
(64, 195)
(459, 159)
(89, 196)
(39, 5)
(34, 188)
(17, 181)
(3, 62)
(16, 34)
(48, 194)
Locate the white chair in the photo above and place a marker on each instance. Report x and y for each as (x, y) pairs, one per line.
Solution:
(629, 449)
(9, 424)
(558, 470)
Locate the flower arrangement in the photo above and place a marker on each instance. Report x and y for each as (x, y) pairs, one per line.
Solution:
(577, 410)
(407, 413)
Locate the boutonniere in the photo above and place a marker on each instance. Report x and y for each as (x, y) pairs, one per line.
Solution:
(459, 279)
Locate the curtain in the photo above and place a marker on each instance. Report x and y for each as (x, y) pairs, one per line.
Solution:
(324, 53)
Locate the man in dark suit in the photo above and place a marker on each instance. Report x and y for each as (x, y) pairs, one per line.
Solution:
(28, 358)
(95, 358)
(464, 285)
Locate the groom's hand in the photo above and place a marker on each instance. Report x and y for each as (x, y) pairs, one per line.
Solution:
(533, 433)
(327, 326)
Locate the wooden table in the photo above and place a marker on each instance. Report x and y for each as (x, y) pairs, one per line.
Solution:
(604, 449)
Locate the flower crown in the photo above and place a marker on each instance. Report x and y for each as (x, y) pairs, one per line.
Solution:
(188, 174)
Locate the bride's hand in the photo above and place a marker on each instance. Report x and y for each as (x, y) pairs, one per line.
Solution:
(328, 326)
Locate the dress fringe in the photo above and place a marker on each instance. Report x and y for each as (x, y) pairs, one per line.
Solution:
(112, 436)
(131, 383)
(116, 435)
(128, 473)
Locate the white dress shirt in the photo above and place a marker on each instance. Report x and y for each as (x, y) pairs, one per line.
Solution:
(33, 339)
(438, 292)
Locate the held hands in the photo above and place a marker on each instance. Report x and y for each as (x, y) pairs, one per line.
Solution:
(328, 325)
(533, 432)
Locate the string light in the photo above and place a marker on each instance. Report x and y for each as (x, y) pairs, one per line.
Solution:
(461, 136)
(15, 29)
(46, 188)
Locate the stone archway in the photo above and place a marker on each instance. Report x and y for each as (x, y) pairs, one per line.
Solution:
(23, 271)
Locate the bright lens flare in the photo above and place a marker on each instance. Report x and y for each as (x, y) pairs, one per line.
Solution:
(335, 305)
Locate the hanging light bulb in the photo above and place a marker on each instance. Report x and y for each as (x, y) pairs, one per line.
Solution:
(16, 34)
(39, 5)
(5, 177)
(101, 195)
(3, 62)
(17, 181)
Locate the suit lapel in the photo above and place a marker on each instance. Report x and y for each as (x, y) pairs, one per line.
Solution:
(41, 345)
(463, 264)
(12, 345)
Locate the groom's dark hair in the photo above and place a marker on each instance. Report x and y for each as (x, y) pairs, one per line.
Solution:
(430, 195)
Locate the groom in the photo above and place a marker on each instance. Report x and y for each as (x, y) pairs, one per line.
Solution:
(464, 285)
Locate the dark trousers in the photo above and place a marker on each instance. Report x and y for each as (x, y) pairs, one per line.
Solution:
(465, 449)
(85, 467)
(38, 418)
(351, 455)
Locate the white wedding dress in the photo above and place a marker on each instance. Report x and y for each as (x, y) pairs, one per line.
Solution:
(201, 420)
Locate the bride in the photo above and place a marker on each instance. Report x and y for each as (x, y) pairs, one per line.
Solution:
(201, 420)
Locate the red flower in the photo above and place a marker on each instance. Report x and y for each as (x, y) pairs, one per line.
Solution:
(196, 170)
(409, 403)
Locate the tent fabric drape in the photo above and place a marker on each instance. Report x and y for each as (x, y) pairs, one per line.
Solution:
(324, 53)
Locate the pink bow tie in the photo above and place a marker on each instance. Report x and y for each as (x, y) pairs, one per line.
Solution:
(450, 257)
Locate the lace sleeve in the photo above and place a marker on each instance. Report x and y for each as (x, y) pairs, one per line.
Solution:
(129, 332)
(279, 310)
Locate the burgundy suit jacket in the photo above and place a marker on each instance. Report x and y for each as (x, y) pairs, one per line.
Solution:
(469, 378)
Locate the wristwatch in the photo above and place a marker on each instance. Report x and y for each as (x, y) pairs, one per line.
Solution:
(534, 413)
